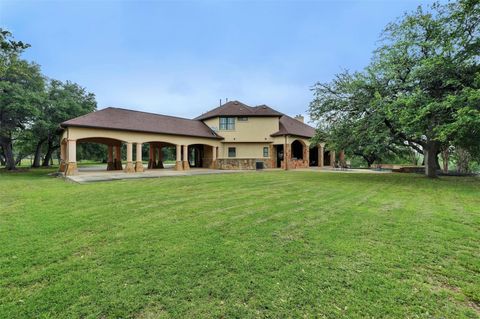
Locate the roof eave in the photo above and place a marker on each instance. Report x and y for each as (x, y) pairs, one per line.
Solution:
(64, 125)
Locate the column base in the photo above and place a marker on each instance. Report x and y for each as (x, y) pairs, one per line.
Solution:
(139, 167)
(62, 166)
(185, 165)
(117, 165)
(129, 168)
(178, 166)
(71, 169)
(110, 166)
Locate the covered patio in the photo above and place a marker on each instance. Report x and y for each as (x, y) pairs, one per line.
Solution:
(192, 142)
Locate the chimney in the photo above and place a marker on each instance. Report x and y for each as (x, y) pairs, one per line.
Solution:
(299, 117)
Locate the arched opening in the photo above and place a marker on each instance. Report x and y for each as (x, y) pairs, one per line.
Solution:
(297, 150)
(99, 153)
(200, 155)
(160, 154)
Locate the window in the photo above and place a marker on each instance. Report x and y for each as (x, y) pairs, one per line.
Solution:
(232, 152)
(242, 118)
(227, 123)
(265, 151)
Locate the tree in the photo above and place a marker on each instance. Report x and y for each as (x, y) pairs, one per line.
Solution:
(63, 101)
(350, 121)
(423, 82)
(21, 87)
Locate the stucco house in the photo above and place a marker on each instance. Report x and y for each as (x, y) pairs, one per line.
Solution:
(231, 136)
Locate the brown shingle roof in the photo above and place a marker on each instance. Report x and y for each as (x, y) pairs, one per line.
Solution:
(123, 119)
(291, 126)
(236, 108)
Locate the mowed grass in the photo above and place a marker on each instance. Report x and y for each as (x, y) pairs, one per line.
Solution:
(247, 245)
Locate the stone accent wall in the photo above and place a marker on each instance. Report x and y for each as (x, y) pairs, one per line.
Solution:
(247, 163)
(296, 163)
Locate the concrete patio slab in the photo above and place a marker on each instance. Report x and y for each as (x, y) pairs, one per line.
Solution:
(90, 175)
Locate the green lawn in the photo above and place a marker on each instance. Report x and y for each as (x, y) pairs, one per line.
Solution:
(270, 244)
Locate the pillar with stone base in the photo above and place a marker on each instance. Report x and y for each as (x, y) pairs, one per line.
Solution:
(160, 157)
(214, 156)
(138, 158)
(129, 168)
(320, 154)
(178, 158)
(185, 164)
(110, 165)
(63, 155)
(71, 164)
(332, 158)
(117, 161)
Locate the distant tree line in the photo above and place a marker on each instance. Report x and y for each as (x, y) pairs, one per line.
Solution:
(419, 95)
(32, 106)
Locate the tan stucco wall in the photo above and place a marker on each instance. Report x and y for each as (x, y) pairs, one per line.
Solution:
(76, 133)
(290, 139)
(244, 150)
(256, 129)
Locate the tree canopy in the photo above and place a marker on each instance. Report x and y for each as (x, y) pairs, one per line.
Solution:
(32, 106)
(421, 89)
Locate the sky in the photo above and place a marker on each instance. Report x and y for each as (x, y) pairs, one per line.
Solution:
(181, 57)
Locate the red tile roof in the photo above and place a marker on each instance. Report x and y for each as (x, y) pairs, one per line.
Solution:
(129, 120)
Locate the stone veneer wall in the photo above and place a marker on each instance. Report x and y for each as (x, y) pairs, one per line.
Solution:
(247, 163)
(296, 163)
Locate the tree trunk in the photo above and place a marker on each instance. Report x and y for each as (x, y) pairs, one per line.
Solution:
(48, 156)
(6, 143)
(38, 153)
(2, 157)
(431, 151)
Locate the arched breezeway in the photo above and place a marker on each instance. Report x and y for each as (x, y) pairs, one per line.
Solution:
(185, 150)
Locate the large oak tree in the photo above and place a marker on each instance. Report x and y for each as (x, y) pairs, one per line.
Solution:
(423, 83)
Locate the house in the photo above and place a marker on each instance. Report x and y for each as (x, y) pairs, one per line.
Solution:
(231, 136)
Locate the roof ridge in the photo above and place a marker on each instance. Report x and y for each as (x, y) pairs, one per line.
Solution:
(151, 113)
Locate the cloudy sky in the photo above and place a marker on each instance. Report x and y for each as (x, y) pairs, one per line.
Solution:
(181, 57)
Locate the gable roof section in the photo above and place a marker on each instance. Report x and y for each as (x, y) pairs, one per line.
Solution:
(291, 126)
(236, 108)
(129, 120)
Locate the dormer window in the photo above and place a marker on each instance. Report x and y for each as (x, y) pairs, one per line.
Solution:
(227, 123)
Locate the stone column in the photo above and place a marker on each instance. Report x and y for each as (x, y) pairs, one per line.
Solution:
(138, 158)
(321, 150)
(63, 155)
(341, 158)
(214, 156)
(306, 156)
(160, 157)
(110, 165)
(129, 168)
(117, 158)
(332, 158)
(185, 164)
(178, 159)
(71, 168)
(150, 156)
